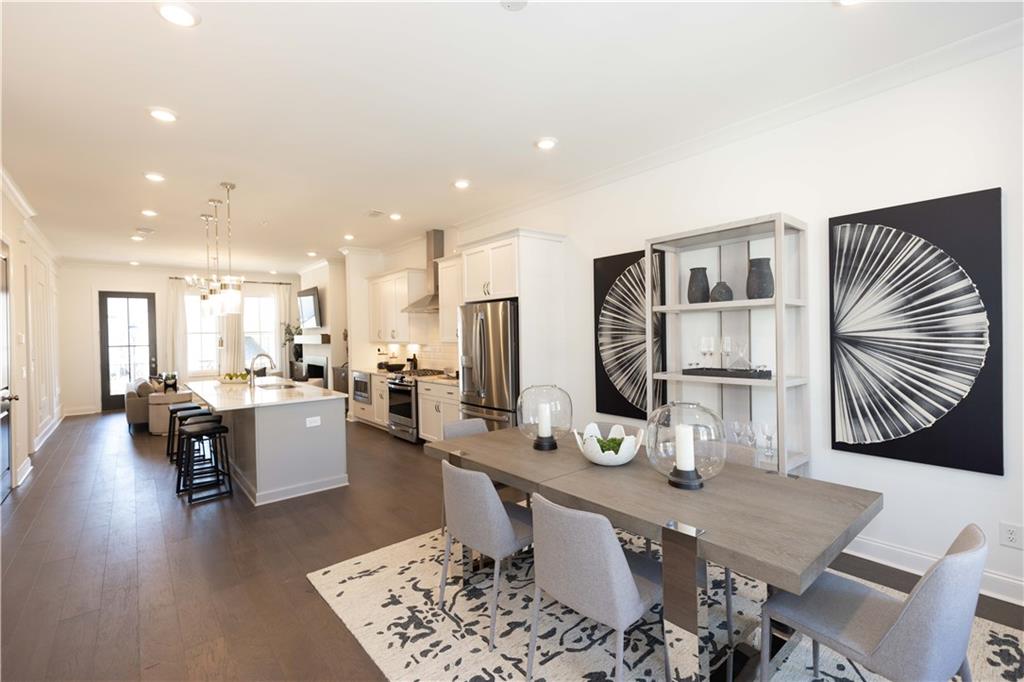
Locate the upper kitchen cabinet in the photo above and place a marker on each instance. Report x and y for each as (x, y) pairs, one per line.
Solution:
(449, 297)
(389, 294)
(491, 270)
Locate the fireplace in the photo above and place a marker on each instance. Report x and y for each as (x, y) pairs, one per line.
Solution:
(316, 368)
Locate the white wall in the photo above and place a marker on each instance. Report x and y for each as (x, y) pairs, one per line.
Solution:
(950, 133)
(329, 279)
(81, 283)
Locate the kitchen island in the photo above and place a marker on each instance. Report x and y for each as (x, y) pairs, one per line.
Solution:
(286, 438)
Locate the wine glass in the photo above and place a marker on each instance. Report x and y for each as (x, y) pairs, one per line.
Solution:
(748, 436)
(707, 349)
(726, 351)
(735, 429)
(767, 431)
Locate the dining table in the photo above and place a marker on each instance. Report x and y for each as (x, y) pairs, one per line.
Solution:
(781, 530)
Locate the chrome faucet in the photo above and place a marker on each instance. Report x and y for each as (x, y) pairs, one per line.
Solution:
(252, 367)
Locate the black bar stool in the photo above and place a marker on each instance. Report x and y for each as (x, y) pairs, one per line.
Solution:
(181, 418)
(203, 461)
(200, 458)
(172, 436)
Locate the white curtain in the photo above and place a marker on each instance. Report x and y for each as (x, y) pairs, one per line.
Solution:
(177, 329)
(283, 296)
(232, 355)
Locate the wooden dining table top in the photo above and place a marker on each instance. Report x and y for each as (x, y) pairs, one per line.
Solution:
(778, 529)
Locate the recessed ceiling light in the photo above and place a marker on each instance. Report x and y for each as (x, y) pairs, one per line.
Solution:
(344, 252)
(163, 115)
(273, 272)
(349, 237)
(546, 144)
(311, 254)
(138, 237)
(150, 213)
(179, 14)
(133, 262)
(395, 216)
(154, 177)
(461, 183)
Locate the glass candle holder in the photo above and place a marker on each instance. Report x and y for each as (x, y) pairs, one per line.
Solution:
(545, 415)
(686, 442)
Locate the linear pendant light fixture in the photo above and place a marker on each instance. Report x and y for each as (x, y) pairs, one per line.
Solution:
(218, 295)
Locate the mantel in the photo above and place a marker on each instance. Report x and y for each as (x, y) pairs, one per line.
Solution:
(309, 339)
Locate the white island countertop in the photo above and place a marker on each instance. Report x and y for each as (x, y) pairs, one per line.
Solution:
(227, 397)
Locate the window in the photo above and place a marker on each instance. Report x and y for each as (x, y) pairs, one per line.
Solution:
(202, 332)
(259, 325)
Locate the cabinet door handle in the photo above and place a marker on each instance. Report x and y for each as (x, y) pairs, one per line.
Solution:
(437, 408)
(392, 333)
(380, 333)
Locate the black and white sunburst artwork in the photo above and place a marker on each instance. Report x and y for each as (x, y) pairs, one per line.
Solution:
(620, 333)
(916, 332)
(909, 333)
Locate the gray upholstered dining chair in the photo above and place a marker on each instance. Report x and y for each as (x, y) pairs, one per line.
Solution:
(479, 519)
(464, 427)
(922, 637)
(579, 562)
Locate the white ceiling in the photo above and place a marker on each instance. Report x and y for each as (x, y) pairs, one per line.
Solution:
(320, 112)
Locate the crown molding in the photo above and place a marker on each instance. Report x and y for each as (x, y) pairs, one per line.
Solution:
(316, 265)
(14, 193)
(978, 46)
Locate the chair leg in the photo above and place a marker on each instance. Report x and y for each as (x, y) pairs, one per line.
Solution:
(668, 659)
(647, 546)
(766, 646)
(965, 671)
(494, 599)
(728, 605)
(534, 626)
(815, 657)
(444, 566)
(620, 636)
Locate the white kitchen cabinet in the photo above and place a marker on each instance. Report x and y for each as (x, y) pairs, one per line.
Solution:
(438, 404)
(449, 297)
(379, 387)
(389, 294)
(491, 270)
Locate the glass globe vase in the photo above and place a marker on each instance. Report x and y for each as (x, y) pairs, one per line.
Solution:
(545, 415)
(686, 434)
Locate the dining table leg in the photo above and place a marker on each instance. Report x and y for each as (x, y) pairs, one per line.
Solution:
(685, 582)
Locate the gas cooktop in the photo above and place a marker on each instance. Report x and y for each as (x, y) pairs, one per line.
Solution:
(409, 375)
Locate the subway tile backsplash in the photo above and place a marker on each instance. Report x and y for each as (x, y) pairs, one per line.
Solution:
(438, 356)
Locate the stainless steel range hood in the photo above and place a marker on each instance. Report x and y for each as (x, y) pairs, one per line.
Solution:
(435, 249)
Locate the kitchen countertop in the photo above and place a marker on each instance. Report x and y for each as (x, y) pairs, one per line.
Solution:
(226, 397)
(439, 379)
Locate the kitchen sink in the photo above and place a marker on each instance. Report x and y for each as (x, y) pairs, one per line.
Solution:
(275, 387)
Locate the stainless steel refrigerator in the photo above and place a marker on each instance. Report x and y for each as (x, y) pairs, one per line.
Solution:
(489, 359)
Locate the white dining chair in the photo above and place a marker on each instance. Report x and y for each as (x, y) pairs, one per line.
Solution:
(922, 637)
(480, 520)
(579, 562)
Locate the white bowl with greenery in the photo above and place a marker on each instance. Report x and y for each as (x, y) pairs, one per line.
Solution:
(614, 449)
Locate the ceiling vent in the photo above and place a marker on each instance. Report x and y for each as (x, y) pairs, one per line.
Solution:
(375, 213)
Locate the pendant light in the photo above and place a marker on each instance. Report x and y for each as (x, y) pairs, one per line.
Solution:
(230, 285)
(216, 301)
(206, 300)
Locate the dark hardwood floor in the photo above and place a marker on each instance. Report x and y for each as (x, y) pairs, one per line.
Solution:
(108, 575)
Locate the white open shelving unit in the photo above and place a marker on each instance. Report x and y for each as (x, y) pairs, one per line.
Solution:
(773, 330)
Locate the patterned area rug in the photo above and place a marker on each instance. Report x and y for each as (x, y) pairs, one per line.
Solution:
(388, 599)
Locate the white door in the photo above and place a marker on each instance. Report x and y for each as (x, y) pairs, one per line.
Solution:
(387, 308)
(450, 412)
(503, 270)
(477, 273)
(400, 327)
(431, 423)
(449, 295)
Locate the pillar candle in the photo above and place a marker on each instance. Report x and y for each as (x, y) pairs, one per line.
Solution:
(684, 447)
(544, 420)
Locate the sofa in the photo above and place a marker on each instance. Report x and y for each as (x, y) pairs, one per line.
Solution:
(136, 401)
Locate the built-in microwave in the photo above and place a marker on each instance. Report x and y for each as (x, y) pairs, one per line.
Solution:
(361, 387)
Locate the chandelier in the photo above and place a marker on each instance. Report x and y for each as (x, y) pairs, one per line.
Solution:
(218, 294)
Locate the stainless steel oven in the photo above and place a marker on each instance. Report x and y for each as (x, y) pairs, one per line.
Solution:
(402, 409)
(360, 387)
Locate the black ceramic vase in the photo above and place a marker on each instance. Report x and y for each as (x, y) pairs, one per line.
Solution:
(698, 290)
(721, 292)
(760, 282)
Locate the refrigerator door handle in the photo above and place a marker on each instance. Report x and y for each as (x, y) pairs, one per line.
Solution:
(482, 353)
(489, 416)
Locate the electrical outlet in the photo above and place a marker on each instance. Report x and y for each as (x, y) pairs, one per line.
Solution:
(1011, 535)
(312, 421)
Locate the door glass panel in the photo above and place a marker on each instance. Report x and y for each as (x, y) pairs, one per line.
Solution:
(117, 321)
(138, 321)
(119, 372)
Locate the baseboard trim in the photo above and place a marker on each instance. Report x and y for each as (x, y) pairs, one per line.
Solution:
(41, 439)
(81, 411)
(259, 499)
(997, 585)
(23, 471)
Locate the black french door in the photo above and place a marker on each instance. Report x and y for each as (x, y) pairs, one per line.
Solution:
(127, 343)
